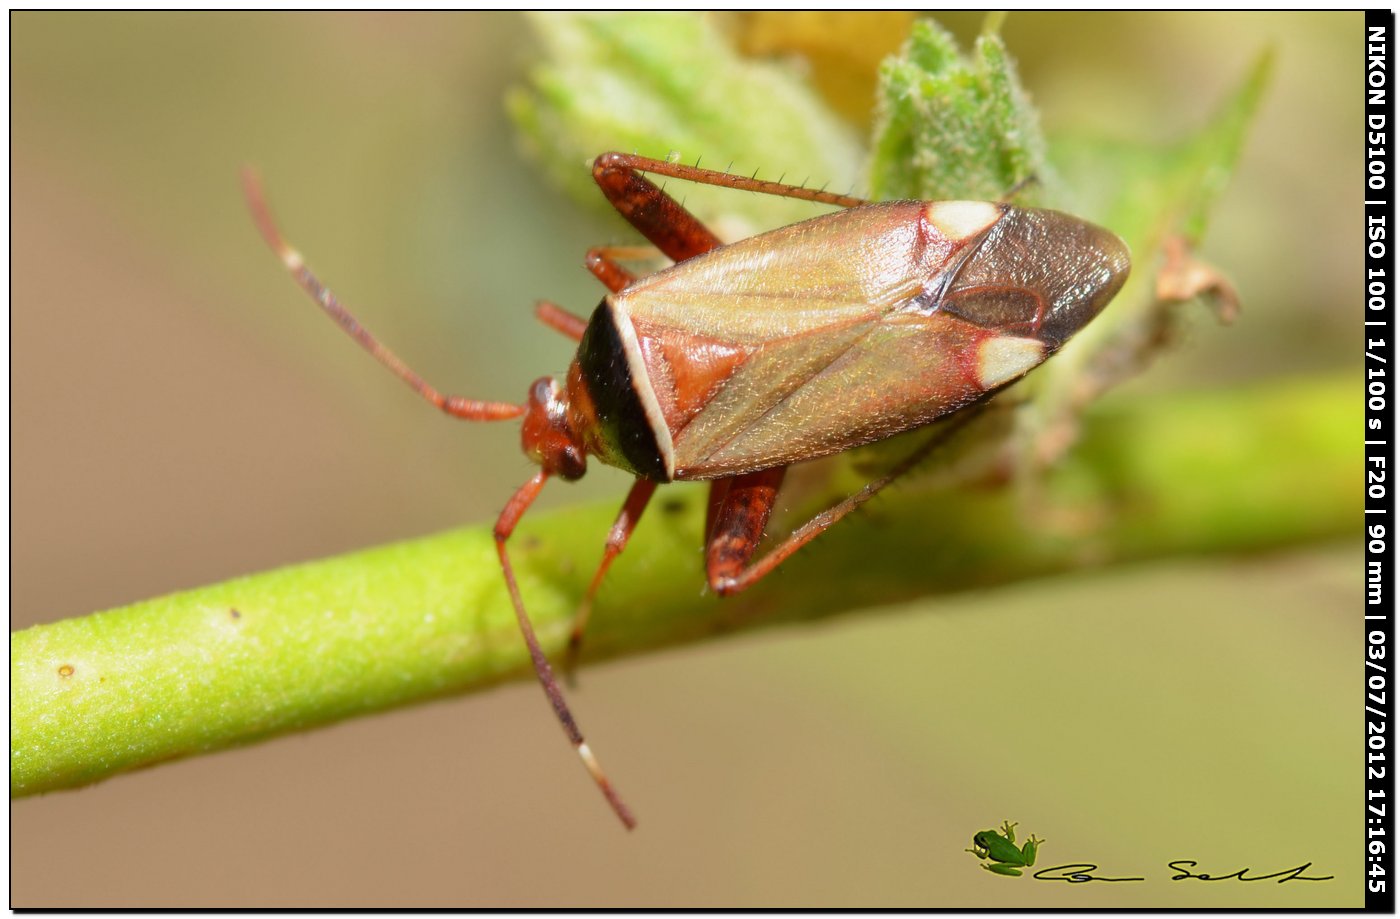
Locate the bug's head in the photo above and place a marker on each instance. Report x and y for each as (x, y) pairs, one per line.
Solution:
(546, 435)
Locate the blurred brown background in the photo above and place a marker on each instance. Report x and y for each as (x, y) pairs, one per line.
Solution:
(181, 415)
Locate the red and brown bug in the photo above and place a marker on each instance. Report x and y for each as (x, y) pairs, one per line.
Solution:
(742, 359)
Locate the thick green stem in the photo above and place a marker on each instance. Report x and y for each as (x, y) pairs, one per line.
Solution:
(314, 643)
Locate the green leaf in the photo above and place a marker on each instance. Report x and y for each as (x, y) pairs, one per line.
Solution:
(949, 127)
(1145, 189)
(1147, 193)
(664, 83)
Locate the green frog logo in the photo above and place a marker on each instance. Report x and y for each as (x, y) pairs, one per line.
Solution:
(999, 850)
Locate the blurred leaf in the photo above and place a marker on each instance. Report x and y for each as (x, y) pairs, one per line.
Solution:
(1134, 184)
(843, 48)
(1147, 193)
(663, 83)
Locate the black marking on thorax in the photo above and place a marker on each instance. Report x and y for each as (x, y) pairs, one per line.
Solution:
(623, 424)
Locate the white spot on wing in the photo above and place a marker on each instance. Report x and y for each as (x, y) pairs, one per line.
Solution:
(1002, 357)
(962, 219)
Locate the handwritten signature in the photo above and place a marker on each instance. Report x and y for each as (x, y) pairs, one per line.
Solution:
(1081, 873)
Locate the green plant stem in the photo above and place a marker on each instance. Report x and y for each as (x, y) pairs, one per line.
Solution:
(310, 644)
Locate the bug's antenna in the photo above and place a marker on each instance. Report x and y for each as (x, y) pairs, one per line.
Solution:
(505, 525)
(470, 409)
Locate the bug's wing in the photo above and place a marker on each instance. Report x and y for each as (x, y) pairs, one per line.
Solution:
(844, 329)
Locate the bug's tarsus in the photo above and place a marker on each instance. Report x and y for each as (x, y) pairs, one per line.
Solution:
(505, 526)
(458, 406)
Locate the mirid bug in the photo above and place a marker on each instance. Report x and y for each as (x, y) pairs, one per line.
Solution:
(742, 359)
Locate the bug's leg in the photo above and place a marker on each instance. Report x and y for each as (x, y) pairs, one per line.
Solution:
(739, 517)
(621, 531)
(719, 490)
(560, 319)
(677, 170)
(661, 219)
(505, 526)
(604, 263)
(605, 269)
(655, 214)
(740, 520)
(470, 409)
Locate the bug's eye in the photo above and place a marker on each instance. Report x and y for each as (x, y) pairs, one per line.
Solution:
(1008, 309)
(571, 462)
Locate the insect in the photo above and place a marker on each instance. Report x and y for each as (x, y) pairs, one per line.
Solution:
(742, 359)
